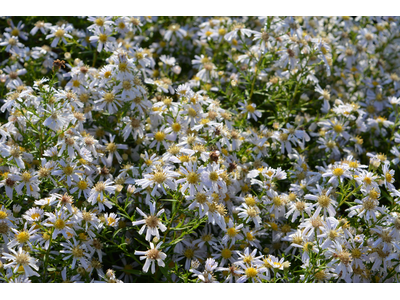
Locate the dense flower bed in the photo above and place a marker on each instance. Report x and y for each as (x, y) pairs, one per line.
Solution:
(199, 149)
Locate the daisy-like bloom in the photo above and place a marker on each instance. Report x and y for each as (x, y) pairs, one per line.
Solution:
(61, 222)
(212, 179)
(324, 95)
(192, 179)
(237, 29)
(336, 127)
(70, 144)
(83, 185)
(250, 213)
(248, 257)
(249, 109)
(68, 172)
(12, 43)
(64, 201)
(29, 180)
(368, 207)
(323, 201)
(102, 37)
(337, 173)
(135, 126)
(276, 203)
(382, 259)
(152, 255)
(386, 238)
(112, 149)
(342, 260)
(332, 233)
(388, 177)
(329, 145)
(207, 276)
(367, 180)
(208, 72)
(99, 191)
(77, 251)
(312, 225)
(24, 236)
(160, 138)
(90, 143)
(109, 101)
(13, 152)
(159, 179)
(111, 219)
(206, 237)
(87, 219)
(275, 264)
(232, 232)
(9, 182)
(253, 272)
(42, 26)
(34, 214)
(367, 38)
(298, 208)
(285, 139)
(201, 201)
(289, 56)
(13, 74)
(59, 33)
(174, 31)
(193, 113)
(152, 222)
(21, 259)
(189, 251)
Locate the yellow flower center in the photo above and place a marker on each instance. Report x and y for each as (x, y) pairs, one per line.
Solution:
(338, 172)
(59, 33)
(82, 185)
(192, 177)
(232, 231)
(26, 176)
(214, 176)
(338, 128)
(324, 201)
(159, 136)
(251, 272)
(76, 83)
(109, 97)
(15, 32)
(250, 108)
(191, 112)
(34, 216)
(103, 37)
(388, 177)
(356, 253)
(277, 201)
(189, 253)
(22, 237)
(250, 201)
(3, 215)
(159, 177)
(68, 170)
(176, 127)
(111, 147)
(226, 253)
(59, 224)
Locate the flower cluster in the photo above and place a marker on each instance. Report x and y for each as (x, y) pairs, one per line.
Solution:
(200, 149)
